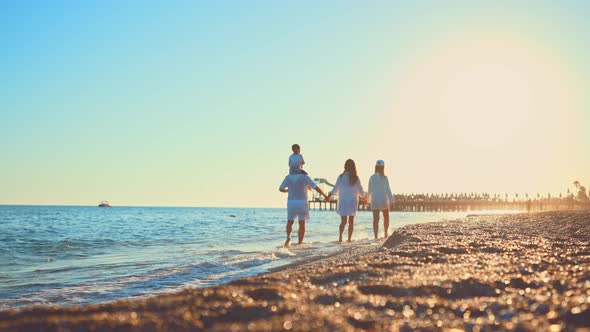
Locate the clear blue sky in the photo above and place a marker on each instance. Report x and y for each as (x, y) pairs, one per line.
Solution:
(195, 103)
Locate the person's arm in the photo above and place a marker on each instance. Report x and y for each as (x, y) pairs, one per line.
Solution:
(370, 188)
(319, 190)
(336, 187)
(360, 188)
(311, 184)
(361, 191)
(283, 186)
(388, 190)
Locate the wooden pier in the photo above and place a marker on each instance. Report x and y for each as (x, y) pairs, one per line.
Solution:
(460, 205)
(321, 205)
(458, 202)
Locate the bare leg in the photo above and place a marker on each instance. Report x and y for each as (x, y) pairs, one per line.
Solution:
(289, 229)
(350, 227)
(342, 225)
(386, 221)
(376, 223)
(301, 232)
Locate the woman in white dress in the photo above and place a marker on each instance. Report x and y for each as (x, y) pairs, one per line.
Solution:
(349, 189)
(380, 197)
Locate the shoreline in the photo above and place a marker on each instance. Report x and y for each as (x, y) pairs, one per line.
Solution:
(519, 271)
(190, 260)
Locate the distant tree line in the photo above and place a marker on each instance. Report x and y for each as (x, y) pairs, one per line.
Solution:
(580, 195)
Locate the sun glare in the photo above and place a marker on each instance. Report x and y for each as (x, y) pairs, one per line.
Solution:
(488, 91)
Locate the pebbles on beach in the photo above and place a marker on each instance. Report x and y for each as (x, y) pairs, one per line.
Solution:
(494, 272)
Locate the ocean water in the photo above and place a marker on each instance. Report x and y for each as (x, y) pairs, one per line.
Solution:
(70, 255)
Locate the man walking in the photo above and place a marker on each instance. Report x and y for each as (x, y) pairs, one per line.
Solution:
(296, 185)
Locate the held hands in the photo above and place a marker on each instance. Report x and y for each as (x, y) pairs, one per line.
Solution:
(327, 197)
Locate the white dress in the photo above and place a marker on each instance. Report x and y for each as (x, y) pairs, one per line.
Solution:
(348, 195)
(379, 192)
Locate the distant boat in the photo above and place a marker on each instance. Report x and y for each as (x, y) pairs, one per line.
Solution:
(104, 204)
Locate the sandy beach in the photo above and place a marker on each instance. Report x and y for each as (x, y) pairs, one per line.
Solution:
(527, 272)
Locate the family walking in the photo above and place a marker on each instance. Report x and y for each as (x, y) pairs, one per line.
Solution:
(349, 190)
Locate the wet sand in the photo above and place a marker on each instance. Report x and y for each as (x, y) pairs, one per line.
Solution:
(505, 272)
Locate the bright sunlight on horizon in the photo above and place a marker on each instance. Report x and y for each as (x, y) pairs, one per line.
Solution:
(197, 104)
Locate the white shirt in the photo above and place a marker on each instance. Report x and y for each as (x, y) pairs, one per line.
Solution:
(297, 184)
(296, 161)
(379, 192)
(348, 195)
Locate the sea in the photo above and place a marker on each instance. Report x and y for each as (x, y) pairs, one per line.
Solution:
(73, 255)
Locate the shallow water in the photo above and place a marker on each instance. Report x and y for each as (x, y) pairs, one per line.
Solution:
(78, 255)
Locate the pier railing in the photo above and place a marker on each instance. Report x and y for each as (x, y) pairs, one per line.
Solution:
(411, 204)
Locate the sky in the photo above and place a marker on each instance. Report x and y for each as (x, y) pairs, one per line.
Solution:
(197, 103)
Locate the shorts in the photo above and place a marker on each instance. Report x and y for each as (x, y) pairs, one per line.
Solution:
(297, 210)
